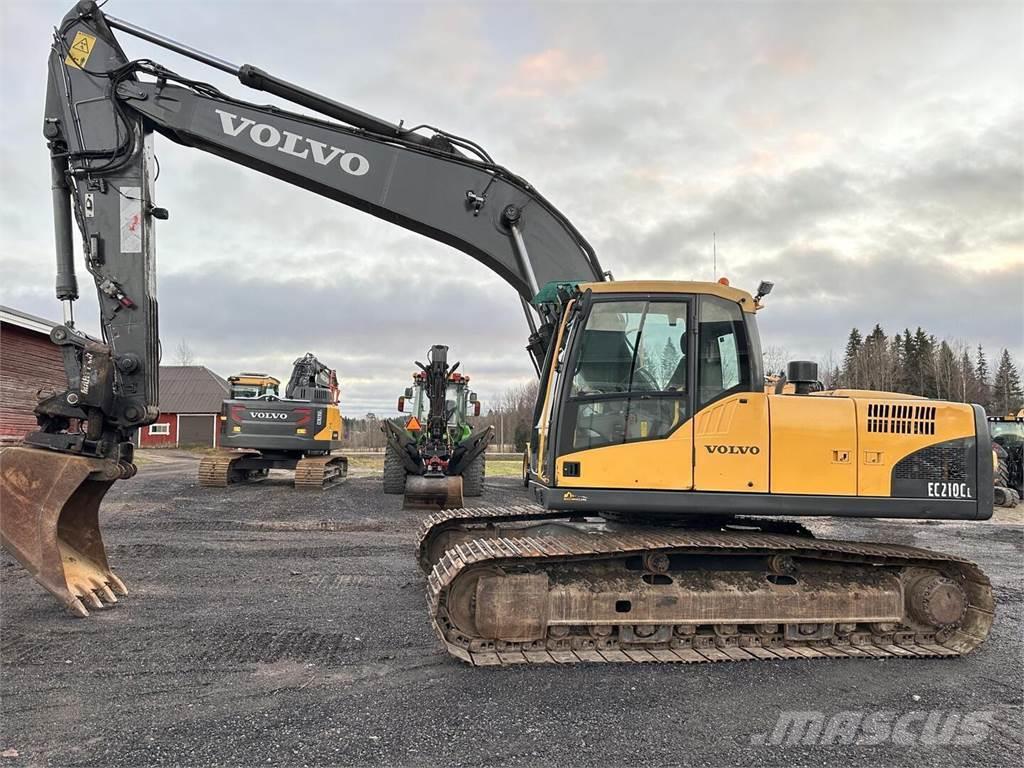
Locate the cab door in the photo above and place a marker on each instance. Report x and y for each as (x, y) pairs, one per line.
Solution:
(731, 442)
(627, 396)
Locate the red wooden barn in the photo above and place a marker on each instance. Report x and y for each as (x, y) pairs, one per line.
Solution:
(190, 395)
(29, 362)
(190, 398)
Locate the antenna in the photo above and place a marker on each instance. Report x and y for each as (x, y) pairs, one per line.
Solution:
(714, 254)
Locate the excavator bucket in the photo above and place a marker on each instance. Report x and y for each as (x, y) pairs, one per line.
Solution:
(432, 493)
(49, 520)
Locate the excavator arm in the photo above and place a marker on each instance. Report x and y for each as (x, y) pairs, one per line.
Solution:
(312, 380)
(102, 110)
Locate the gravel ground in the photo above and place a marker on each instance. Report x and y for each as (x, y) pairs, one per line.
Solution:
(266, 626)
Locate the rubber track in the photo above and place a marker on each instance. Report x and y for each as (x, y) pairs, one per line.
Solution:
(316, 472)
(454, 518)
(215, 470)
(514, 550)
(311, 472)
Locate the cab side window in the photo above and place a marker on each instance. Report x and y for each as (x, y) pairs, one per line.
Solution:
(723, 359)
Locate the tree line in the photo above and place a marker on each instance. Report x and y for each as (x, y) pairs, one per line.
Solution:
(511, 416)
(917, 363)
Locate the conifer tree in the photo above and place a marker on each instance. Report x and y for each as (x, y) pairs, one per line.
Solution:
(984, 393)
(1006, 388)
(851, 374)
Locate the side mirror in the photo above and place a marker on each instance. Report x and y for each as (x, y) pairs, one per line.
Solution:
(401, 404)
(408, 392)
(476, 408)
(472, 397)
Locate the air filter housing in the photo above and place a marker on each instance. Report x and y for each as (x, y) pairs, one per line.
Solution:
(803, 375)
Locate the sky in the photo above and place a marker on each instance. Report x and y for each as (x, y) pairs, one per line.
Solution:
(868, 158)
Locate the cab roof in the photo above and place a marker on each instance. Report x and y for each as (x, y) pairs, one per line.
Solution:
(253, 378)
(741, 297)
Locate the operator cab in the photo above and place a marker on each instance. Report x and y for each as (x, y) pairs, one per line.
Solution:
(1008, 431)
(460, 402)
(641, 365)
(250, 386)
(637, 360)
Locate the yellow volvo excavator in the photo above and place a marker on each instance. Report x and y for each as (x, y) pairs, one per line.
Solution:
(664, 490)
(267, 432)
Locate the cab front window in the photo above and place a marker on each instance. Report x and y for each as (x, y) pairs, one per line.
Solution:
(630, 375)
(454, 404)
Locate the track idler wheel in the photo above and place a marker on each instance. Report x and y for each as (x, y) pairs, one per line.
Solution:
(432, 493)
(50, 522)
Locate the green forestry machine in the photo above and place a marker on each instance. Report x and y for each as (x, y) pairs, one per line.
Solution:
(436, 457)
(1008, 446)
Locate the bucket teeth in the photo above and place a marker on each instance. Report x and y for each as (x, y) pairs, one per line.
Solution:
(117, 584)
(107, 594)
(90, 597)
(93, 591)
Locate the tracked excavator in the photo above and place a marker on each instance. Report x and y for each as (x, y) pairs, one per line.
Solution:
(662, 528)
(436, 456)
(299, 432)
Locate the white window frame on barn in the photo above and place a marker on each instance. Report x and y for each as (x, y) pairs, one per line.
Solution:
(159, 429)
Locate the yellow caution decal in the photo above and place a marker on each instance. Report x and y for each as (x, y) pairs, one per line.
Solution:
(81, 47)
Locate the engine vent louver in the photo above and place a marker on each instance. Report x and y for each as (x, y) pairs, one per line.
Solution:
(901, 418)
(943, 461)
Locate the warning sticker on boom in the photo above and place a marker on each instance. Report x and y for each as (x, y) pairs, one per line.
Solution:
(131, 219)
(81, 47)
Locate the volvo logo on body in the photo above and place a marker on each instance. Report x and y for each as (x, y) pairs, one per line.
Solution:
(268, 415)
(739, 450)
(266, 135)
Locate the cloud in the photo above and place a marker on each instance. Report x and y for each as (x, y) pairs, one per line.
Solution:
(369, 328)
(553, 71)
(965, 174)
(820, 296)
